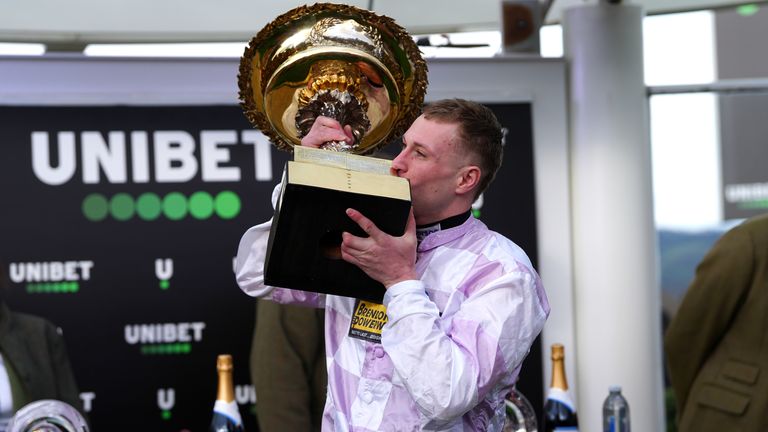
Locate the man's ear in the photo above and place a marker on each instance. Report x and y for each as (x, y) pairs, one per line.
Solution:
(468, 179)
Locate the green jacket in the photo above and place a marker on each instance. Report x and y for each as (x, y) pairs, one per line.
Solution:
(288, 367)
(717, 343)
(34, 352)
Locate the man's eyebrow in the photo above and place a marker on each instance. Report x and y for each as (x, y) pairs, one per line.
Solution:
(422, 147)
(415, 144)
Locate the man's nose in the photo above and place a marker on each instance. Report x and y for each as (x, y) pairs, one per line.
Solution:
(398, 163)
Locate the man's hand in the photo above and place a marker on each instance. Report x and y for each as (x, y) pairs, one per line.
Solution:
(381, 256)
(326, 129)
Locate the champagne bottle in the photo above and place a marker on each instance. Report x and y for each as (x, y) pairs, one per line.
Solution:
(559, 409)
(226, 415)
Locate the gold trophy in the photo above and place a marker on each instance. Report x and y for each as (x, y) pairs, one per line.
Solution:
(337, 61)
(363, 70)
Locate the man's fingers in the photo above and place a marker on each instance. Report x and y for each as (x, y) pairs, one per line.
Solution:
(323, 130)
(322, 121)
(329, 133)
(354, 243)
(363, 222)
(350, 137)
(331, 128)
(381, 256)
(349, 257)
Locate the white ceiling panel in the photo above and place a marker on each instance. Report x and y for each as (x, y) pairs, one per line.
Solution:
(89, 21)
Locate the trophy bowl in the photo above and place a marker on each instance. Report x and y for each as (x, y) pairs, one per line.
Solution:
(334, 60)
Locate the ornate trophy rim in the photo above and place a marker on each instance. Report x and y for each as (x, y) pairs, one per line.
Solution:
(252, 100)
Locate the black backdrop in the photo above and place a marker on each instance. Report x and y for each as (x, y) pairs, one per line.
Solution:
(146, 300)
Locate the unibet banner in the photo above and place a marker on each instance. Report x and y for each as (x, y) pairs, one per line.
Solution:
(744, 153)
(120, 225)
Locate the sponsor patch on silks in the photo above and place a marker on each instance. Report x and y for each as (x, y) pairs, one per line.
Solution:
(367, 321)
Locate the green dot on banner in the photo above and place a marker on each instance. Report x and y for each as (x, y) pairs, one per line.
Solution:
(95, 207)
(149, 206)
(227, 204)
(164, 284)
(175, 206)
(166, 415)
(75, 287)
(122, 207)
(201, 205)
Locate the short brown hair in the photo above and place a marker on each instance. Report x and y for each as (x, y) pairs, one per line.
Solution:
(479, 130)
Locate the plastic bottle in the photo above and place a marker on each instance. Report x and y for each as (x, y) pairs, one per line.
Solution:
(615, 411)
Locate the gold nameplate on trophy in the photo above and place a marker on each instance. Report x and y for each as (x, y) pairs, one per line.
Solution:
(363, 70)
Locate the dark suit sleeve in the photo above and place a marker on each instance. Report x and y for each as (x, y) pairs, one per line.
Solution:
(66, 386)
(719, 288)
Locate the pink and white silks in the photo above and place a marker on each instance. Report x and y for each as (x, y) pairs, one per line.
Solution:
(453, 343)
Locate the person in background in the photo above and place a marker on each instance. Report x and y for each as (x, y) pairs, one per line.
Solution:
(34, 364)
(288, 367)
(716, 344)
(463, 304)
